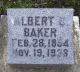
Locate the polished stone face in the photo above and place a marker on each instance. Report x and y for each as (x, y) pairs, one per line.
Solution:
(40, 36)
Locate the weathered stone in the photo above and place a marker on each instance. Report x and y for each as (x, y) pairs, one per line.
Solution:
(3, 22)
(40, 36)
(4, 67)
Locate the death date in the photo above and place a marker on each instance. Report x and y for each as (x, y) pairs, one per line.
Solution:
(41, 53)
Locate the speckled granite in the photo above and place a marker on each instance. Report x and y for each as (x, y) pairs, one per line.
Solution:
(4, 67)
(40, 36)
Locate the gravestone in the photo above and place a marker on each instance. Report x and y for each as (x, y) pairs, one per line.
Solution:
(40, 36)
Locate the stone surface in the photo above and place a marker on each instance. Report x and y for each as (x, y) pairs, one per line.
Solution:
(4, 67)
(2, 41)
(40, 36)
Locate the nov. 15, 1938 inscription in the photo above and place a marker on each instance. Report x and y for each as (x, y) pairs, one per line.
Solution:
(40, 36)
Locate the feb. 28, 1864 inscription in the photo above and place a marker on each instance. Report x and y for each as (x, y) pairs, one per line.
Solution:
(40, 36)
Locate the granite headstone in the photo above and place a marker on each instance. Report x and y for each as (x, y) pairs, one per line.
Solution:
(40, 36)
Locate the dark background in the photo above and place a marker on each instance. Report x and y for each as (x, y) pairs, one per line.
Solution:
(4, 4)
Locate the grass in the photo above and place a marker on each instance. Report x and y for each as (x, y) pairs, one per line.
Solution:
(40, 4)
